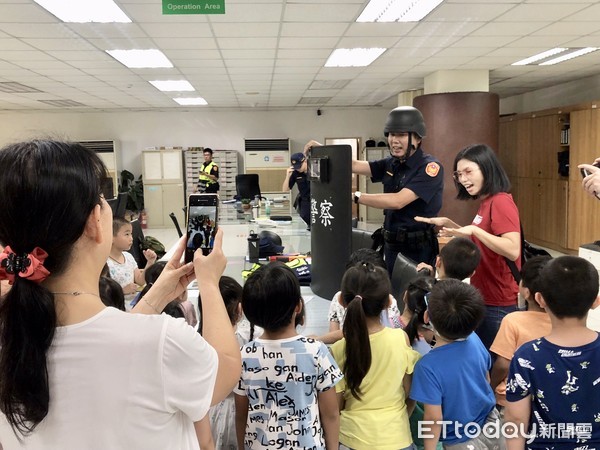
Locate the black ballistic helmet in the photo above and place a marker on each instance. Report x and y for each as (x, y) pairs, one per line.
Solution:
(405, 119)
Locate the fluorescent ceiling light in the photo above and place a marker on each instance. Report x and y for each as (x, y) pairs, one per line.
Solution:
(85, 10)
(191, 101)
(539, 56)
(172, 85)
(140, 59)
(570, 55)
(397, 10)
(353, 57)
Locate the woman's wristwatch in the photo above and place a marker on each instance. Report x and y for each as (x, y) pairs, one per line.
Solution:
(357, 195)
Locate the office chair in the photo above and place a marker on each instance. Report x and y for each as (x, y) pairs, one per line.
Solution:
(136, 247)
(405, 271)
(176, 223)
(247, 186)
(361, 239)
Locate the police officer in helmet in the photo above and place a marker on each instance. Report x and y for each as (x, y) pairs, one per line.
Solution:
(412, 186)
(413, 183)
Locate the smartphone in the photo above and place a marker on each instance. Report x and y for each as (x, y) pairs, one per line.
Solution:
(201, 223)
(585, 173)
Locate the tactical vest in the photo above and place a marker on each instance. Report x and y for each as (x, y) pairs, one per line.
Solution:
(203, 180)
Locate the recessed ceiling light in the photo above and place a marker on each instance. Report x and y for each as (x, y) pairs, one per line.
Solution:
(141, 59)
(353, 57)
(191, 101)
(397, 10)
(172, 85)
(539, 56)
(573, 54)
(80, 11)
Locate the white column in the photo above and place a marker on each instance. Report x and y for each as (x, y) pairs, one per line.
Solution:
(457, 81)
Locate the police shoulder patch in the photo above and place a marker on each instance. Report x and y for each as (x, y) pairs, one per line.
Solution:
(432, 169)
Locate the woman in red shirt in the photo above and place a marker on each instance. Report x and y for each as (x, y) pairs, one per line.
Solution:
(496, 230)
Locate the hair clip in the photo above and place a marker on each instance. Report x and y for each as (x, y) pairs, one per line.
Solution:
(26, 265)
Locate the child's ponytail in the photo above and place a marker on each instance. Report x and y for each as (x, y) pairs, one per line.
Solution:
(358, 347)
(365, 293)
(414, 299)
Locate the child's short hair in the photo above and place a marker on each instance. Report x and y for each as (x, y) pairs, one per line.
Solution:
(231, 291)
(460, 257)
(151, 274)
(270, 296)
(111, 293)
(365, 255)
(455, 308)
(569, 285)
(174, 309)
(118, 222)
(530, 273)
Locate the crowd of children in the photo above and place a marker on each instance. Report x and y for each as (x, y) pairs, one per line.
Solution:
(413, 375)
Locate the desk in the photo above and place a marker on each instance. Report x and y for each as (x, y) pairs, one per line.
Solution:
(295, 239)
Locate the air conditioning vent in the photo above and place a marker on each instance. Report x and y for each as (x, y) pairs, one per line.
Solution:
(266, 144)
(99, 146)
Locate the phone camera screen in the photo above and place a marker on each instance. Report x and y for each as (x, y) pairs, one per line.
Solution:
(201, 228)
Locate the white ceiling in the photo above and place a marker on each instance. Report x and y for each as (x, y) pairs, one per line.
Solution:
(270, 54)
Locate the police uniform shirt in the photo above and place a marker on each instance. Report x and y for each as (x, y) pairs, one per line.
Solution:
(301, 180)
(421, 173)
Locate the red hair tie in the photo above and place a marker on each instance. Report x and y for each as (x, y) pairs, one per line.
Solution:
(30, 266)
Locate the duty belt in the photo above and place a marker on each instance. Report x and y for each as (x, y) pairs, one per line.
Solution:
(404, 236)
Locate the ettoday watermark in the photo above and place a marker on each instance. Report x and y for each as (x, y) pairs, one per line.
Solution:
(495, 429)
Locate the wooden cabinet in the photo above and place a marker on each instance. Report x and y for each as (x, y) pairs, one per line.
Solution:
(584, 209)
(529, 145)
(555, 211)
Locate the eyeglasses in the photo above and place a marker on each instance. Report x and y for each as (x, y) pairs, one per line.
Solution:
(467, 173)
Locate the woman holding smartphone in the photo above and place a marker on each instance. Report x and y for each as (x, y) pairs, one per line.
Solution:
(496, 230)
(74, 373)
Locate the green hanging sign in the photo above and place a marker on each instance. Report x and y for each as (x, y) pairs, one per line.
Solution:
(193, 6)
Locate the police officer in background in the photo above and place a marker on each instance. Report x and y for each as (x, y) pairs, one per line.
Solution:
(413, 183)
(209, 174)
(297, 174)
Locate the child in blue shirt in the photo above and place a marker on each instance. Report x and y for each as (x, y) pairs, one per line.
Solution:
(452, 379)
(553, 387)
(285, 396)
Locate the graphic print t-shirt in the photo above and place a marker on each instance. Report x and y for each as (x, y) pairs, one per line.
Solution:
(282, 379)
(564, 383)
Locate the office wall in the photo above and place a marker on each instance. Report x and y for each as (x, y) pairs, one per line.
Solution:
(219, 130)
(573, 92)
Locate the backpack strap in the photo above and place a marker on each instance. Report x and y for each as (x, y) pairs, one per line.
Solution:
(511, 264)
